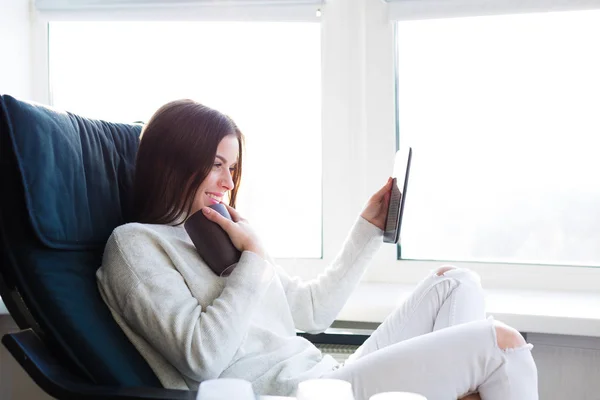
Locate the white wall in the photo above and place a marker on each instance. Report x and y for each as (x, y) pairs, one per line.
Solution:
(568, 366)
(15, 49)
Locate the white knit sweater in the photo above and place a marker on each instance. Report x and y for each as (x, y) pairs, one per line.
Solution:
(191, 325)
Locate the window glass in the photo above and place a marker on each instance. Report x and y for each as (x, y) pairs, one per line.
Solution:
(265, 75)
(502, 113)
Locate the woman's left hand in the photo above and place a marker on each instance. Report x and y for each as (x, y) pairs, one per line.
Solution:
(376, 209)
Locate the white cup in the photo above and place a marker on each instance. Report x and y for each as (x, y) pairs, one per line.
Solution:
(397, 396)
(225, 389)
(324, 389)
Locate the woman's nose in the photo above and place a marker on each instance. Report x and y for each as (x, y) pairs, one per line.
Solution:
(227, 181)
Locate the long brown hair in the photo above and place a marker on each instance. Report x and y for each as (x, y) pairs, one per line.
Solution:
(176, 153)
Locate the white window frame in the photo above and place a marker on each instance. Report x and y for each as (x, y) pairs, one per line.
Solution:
(358, 128)
(496, 275)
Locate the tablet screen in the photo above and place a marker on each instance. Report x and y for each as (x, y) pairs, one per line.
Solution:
(396, 207)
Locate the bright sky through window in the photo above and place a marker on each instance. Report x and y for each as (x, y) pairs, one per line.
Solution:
(265, 75)
(502, 112)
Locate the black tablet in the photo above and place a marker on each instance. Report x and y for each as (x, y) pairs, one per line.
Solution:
(396, 207)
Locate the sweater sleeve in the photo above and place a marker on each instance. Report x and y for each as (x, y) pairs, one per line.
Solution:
(200, 343)
(316, 303)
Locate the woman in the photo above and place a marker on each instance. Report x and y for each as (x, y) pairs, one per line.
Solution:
(192, 325)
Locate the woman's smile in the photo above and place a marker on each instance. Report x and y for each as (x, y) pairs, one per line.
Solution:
(214, 198)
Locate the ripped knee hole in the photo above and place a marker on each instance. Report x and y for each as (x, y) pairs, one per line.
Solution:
(508, 337)
(444, 269)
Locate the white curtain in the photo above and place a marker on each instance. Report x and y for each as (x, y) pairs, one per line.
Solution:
(424, 9)
(55, 5)
(277, 10)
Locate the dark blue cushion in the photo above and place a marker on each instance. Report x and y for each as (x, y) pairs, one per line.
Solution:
(66, 182)
(74, 171)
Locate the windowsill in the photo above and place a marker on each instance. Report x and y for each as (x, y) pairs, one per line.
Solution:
(551, 312)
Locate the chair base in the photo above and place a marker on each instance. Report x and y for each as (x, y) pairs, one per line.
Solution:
(45, 370)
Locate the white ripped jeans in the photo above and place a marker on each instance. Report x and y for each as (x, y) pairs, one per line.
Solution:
(438, 343)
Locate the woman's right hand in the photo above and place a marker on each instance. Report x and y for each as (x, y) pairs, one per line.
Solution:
(239, 230)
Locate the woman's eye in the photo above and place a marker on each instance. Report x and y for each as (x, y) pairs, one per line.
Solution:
(217, 165)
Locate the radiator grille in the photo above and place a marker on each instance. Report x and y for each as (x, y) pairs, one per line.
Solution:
(340, 352)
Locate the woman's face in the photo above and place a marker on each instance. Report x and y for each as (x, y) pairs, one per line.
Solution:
(219, 181)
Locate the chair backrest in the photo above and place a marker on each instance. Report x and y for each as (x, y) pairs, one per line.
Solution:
(65, 186)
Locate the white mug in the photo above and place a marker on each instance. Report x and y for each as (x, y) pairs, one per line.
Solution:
(397, 396)
(225, 389)
(324, 389)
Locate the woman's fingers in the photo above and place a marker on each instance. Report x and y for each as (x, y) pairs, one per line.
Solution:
(385, 189)
(240, 232)
(214, 216)
(386, 198)
(235, 215)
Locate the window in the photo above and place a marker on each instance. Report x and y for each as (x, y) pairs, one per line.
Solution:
(337, 79)
(502, 113)
(265, 75)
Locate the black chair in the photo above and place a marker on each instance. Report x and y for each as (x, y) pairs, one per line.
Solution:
(65, 181)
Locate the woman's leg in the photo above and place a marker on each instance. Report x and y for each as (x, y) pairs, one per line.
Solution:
(485, 356)
(447, 297)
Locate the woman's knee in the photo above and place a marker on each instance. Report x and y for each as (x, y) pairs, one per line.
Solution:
(442, 270)
(460, 274)
(508, 337)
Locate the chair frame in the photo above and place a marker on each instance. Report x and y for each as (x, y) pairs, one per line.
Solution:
(57, 381)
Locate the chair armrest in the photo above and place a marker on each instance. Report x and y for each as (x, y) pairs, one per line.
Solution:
(334, 338)
(46, 371)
